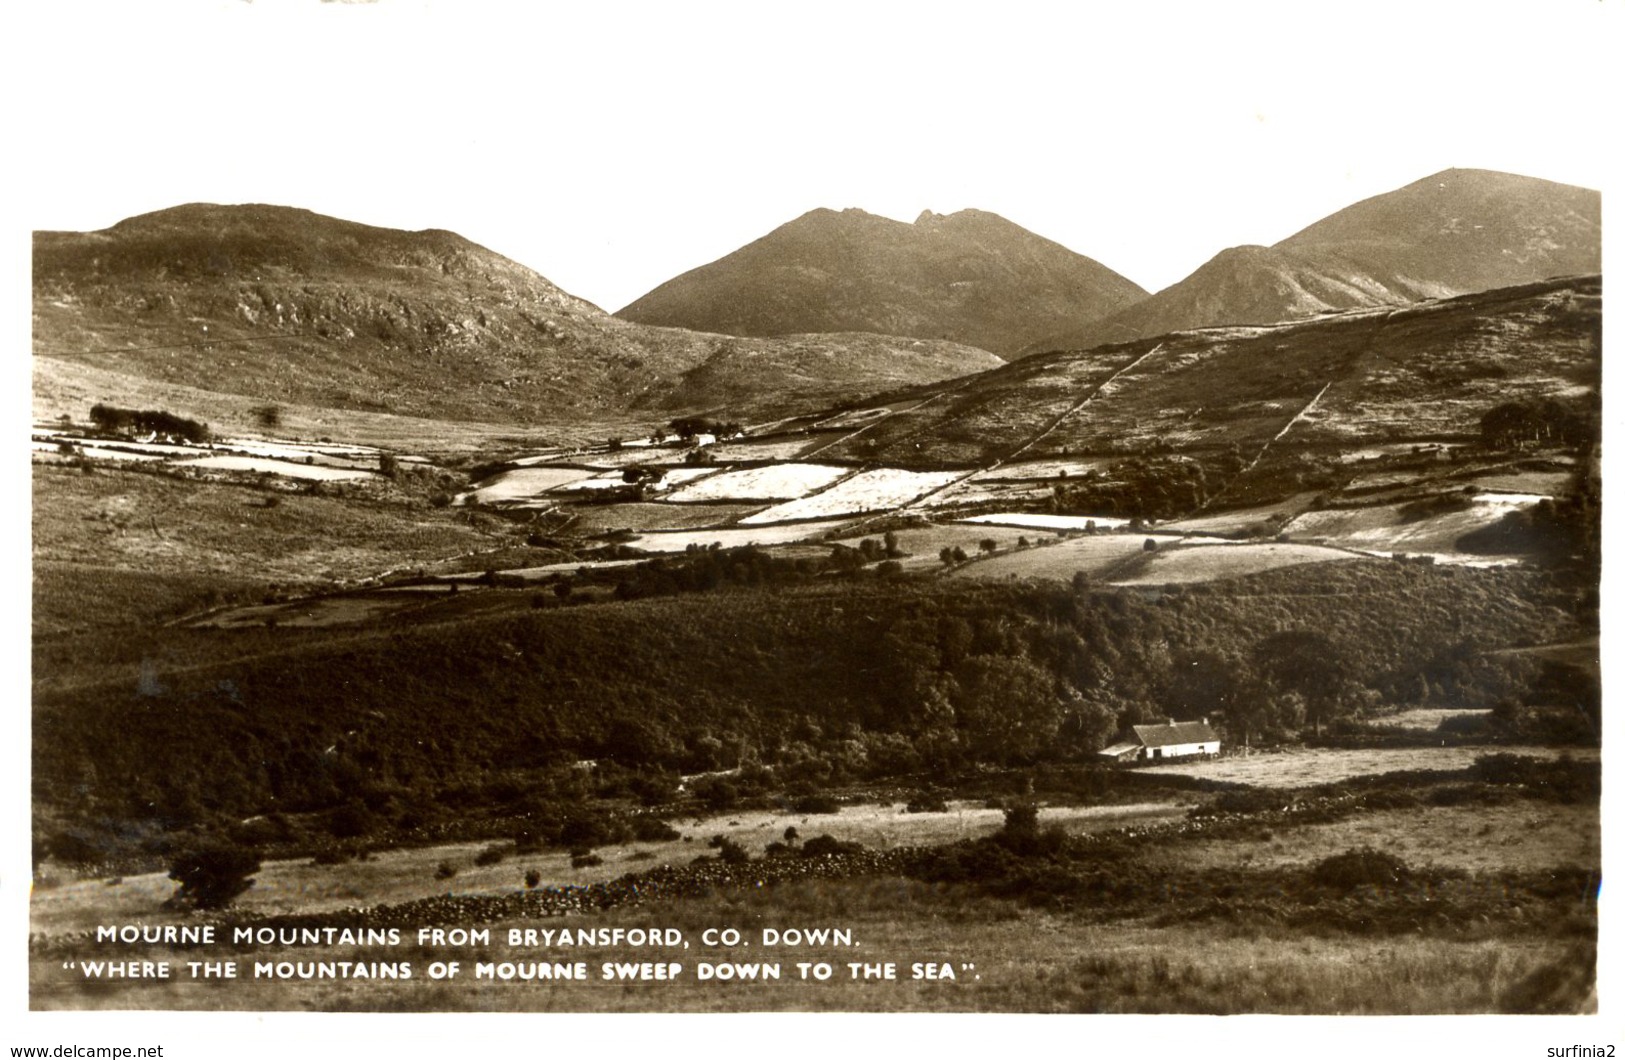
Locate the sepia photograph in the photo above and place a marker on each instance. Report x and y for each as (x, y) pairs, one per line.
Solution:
(1086, 512)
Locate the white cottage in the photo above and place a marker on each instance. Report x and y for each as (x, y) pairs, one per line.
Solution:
(1170, 739)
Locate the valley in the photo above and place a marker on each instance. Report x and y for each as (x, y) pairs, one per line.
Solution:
(833, 628)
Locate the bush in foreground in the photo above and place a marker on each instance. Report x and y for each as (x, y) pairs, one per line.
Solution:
(1360, 867)
(212, 873)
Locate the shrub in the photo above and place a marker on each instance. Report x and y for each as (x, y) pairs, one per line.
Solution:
(533, 879)
(1360, 867)
(585, 861)
(927, 802)
(334, 854)
(586, 828)
(212, 873)
(653, 830)
(491, 855)
(352, 820)
(445, 871)
(818, 846)
(731, 852)
(816, 804)
(718, 793)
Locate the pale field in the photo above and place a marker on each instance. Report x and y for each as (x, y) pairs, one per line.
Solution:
(766, 449)
(1382, 452)
(1422, 719)
(605, 480)
(640, 516)
(733, 537)
(1450, 559)
(922, 545)
(775, 482)
(1539, 483)
(1186, 566)
(1039, 521)
(96, 452)
(675, 477)
(1242, 518)
(1382, 529)
(48, 440)
(403, 875)
(856, 418)
(1027, 470)
(880, 489)
(550, 569)
(1092, 554)
(1004, 494)
(341, 456)
(286, 450)
(278, 467)
(1304, 767)
(1515, 836)
(321, 612)
(626, 456)
(543, 457)
(522, 484)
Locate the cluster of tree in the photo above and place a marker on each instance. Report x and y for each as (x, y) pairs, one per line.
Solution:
(115, 420)
(1539, 422)
(704, 569)
(1146, 488)
(817, 679)
(688, 428)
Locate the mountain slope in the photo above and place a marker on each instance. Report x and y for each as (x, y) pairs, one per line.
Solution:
(282, 304)
(1456, 232)
(970, 277)
(1423, 371)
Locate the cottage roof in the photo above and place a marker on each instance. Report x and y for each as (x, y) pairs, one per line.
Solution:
(1175, 732)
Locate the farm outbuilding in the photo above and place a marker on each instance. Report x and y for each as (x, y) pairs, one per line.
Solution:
(1170, 739)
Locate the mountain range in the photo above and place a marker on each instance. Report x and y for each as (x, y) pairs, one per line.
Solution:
(282, 304)
(1455, 232)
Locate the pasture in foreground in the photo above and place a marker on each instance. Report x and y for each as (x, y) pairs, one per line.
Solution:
(1297, 767)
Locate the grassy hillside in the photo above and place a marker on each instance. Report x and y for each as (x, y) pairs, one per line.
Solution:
(279, 304)
(1219, 396)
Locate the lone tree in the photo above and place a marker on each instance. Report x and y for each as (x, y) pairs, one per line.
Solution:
(212, 873)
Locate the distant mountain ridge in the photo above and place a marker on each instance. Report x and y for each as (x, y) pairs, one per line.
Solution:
(1455, 232)
(970, 277)
(283, 304)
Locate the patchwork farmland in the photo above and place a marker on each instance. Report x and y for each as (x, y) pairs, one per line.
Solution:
(857, 664)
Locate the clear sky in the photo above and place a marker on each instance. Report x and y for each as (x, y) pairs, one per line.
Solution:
(611, 146)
